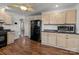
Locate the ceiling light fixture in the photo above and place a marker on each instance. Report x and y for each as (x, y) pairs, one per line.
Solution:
(23, 8)
(57, 5)
(6, 7)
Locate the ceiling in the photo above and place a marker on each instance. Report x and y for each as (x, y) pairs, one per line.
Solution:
(39, 7)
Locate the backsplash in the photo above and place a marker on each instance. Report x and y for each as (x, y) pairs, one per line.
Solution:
(49, 27)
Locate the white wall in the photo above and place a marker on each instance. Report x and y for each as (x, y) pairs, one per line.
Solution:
(77, 19)
(50, 27)
(28, 24)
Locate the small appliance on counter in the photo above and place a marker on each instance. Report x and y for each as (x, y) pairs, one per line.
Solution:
(67, 28)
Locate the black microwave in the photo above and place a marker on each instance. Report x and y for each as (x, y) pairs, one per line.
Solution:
(67, 28)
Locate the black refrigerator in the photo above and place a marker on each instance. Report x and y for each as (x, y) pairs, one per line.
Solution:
(36, 30)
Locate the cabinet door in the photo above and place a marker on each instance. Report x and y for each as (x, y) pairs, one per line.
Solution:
(44, 38)
(57, 18)
(5, 18)
(10, 37)
(73, 43)
(45, 18)
(61, 41)
(52, 39)
(71, 17)
(8, 20)
(52, 20)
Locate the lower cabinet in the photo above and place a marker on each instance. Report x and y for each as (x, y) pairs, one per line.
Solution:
(60, 40)
(44, 38)
(73, 43)
(10, 37)
(49, 38)
(52, 39)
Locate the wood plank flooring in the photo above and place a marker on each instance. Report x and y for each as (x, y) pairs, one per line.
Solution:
(25, 46)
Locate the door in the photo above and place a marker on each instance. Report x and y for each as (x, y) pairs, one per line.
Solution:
(36, 30)
(21, 28)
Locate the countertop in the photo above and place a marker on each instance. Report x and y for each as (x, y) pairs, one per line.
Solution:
(55, 31)
(7, 30)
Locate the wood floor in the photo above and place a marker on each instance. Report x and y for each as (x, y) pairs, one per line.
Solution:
(25, 46)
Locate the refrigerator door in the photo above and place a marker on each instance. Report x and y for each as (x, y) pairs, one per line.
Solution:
(36, 30)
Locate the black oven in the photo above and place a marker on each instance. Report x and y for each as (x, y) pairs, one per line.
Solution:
(67, 28)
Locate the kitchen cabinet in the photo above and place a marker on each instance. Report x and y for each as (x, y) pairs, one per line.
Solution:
(36, 17)
(5, 18)
(53, 17)
(68, 42)
(73, 42)
(57, 18)
(61, 41)
(71, 17)
(52, 39)
(8, 19)
(10, 37)
(44, 37)
(49, 38)
(46, 18)
(64, 17)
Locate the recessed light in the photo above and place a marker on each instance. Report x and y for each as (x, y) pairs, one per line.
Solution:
(57, 5)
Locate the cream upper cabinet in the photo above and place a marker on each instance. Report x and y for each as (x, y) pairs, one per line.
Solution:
(53, 17)
(71, 17)
(61, 41)
(44, 38)
(73, 43)
(46, 18)
(6, 18)
(65, 17)
(52, 39)
(57, 18)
